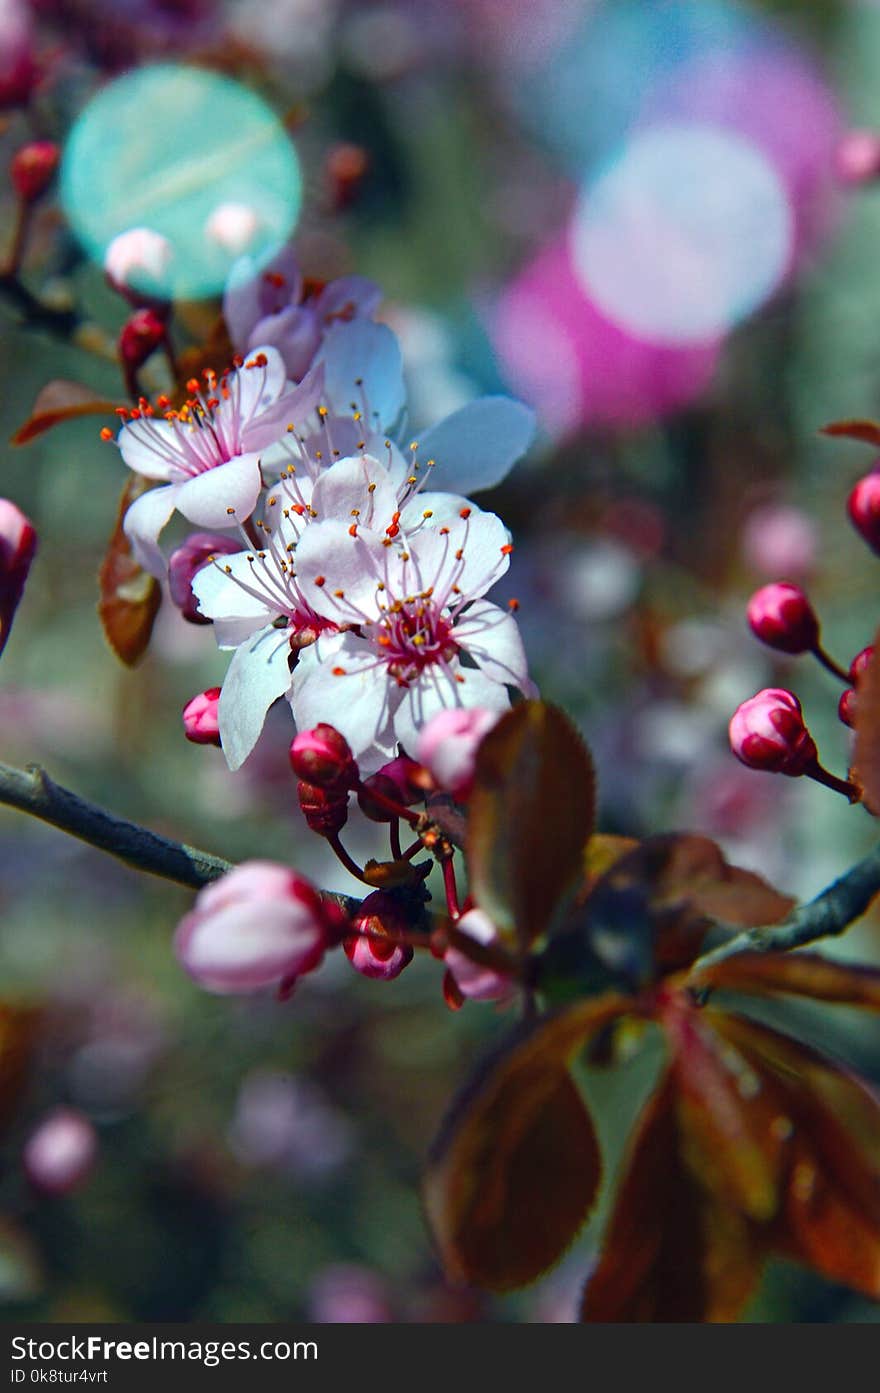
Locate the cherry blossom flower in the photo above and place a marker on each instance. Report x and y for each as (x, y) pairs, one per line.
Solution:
(207, 454)
(414, 633)
(266, 305)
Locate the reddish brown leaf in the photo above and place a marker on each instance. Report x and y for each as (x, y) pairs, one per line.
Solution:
(686, 883)
(830, 1213)
(866, 431)
(129, 597)
(18, 1025)
(516, 1167)
(866, 754)
(61, 401)
(725, 1115)
(531, 814)
(671, 1253)
(802, 974)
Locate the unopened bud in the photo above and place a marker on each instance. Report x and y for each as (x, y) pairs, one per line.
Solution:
(33, 168)
(141, 334)
(201, 718)
(859, 665)
(185, 563)
(326, 812)
(846, 707)
(375, 949)
(323, 757)
(768, 732)
(137, 262)
(60, 1154)
(473, 980)
(260, 925)
(232, 227)
(448, 745)
(863, 506)
(781, 616)
(18, 543)
(858, 157)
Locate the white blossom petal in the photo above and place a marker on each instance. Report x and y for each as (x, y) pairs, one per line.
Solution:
(208, 498)
(492, 637)
(144, 520)
(258, 675)
(342, 683)
(357, 489)
(363, 366)
(477, 446)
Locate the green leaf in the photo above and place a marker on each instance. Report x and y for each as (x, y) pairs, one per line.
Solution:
(531, 815)
(516, 1167)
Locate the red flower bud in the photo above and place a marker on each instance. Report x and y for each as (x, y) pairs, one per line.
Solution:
(781, 616)
(325, 811)
(858, 157)
(768, 732)
(323, 757)
(33, 168)
(18, 543)
(186, 561)
(142, 333)
(863, 506)
(375, 949)
(846, 707)
(859, 664)
(201, 720)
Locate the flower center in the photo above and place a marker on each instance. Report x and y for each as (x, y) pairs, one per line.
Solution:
(412, 635)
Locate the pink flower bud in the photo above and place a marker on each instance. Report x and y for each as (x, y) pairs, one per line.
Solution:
(768, 732)
(863, 506)
(404, 773)
(858, 157)
(323, 757)
(232, 227)
(18, 543)
(325, 811)
(474, 981)
(60, 1154)
(859, 664)
(19, 71)
(201, 718)
(781, 616)
(141, 334)
(260, 925)
(185, 563)
(381, 958)
(137, 262)
(846, 707)
(448, 747)
(33, 168)
(778, 539)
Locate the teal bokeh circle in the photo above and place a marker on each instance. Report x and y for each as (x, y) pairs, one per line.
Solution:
(164, 147)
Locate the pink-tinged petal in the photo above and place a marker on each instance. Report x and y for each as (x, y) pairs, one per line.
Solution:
(435, 690)
(253, 292)
(296, 335)
(144, 521)
(348, 297)
(329, 559)
(150, 447)
(477, 446)
(363, 366)
(258, 675)
(474, 981)
(492, 638)
(222, 496)
(18, 545)
(357, 490)
(344, 686)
